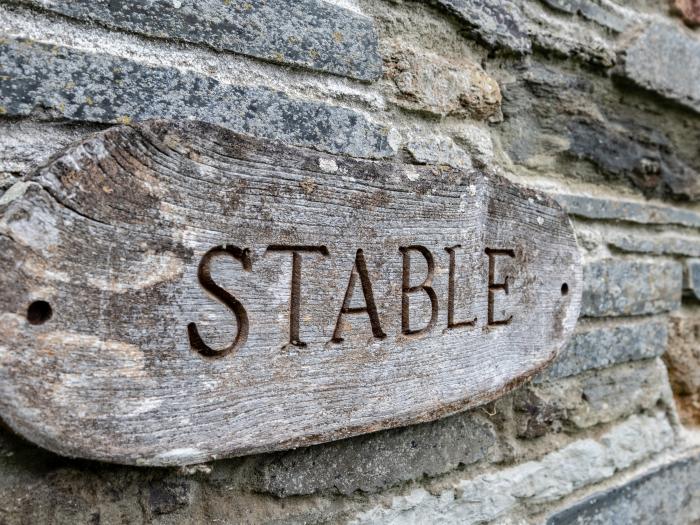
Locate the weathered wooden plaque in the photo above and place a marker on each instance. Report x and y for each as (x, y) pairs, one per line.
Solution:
(174, 293)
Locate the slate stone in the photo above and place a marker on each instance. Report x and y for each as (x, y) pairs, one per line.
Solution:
(629, 211)
(566, 39)
(375, 461)
(591, 398)
(499, 497)
(614, 287)
(309, 33)
(168, 496)
(498, 24)
(665, 60)
(643, 156)
(603, 346)
(83, 86)
(660, 244)
(592, 11)
(692, 275)
(668, 495)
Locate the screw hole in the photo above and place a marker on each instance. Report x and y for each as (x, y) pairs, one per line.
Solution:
(39, 312)
(564, 289)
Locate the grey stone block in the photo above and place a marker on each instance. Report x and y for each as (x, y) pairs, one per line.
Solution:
(659, 244)
(666, 60)
(668, 495)
(499, 497)
(692, 277)
(100, 88)
(629, 211)
(496, 23)
(603, 346)
(645, 157)
(567, 39)
(309, 33)
(375, 461)
(613, 287)
(590, 10)
(588, 399)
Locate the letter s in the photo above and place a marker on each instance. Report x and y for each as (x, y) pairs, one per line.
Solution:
(204, 276)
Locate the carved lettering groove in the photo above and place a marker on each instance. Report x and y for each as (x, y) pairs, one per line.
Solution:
(176, 292)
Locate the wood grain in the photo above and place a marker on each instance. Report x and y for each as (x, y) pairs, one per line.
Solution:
(153, 312)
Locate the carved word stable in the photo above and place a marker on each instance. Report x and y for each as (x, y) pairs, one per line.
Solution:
(175, 293)
(358, 271)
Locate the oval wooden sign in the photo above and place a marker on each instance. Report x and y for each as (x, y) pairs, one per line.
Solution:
(174, 293)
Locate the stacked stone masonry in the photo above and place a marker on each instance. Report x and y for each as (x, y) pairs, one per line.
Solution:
(595, 101)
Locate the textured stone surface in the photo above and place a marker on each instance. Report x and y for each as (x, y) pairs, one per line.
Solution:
(565, 39)
(668, 495)
(376, 461)
(494, 495)
(689, 10)
(665, 60)
(642, 156)
(591, 398)
(683, 356)
(629, 211)
(310, 33)
(594, 346)
(99, 88)
(600, 13)
(692, 277)
(428, 82)
(659, 244)
(477, 142)
(615, 287)
(436, 150)
(683, 361)
(499, 24)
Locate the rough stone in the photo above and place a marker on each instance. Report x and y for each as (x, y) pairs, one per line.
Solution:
(659, 244)
(428, 82)
(476, 141)
(613, 287)
(166, 496)
(689, 10)
(88, 87)
(643, 156)
(565, 39)
(437, 150)
(692, 277)
(665, 60)
(498, 24)
(603, 16)
(594, 346)
(668, 495)
(683, 361)
(309, 33)
(628, 211)
(380, 460)
(492, 496)
(591, 398)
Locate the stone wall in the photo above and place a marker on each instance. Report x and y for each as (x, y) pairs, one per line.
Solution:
(594, 101)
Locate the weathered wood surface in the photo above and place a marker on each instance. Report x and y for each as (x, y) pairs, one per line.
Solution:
(152, 311)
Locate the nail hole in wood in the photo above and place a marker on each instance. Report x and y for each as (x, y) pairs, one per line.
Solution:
(39, 312)
(564, 289)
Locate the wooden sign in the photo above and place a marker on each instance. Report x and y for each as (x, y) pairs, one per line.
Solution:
(175, 293)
